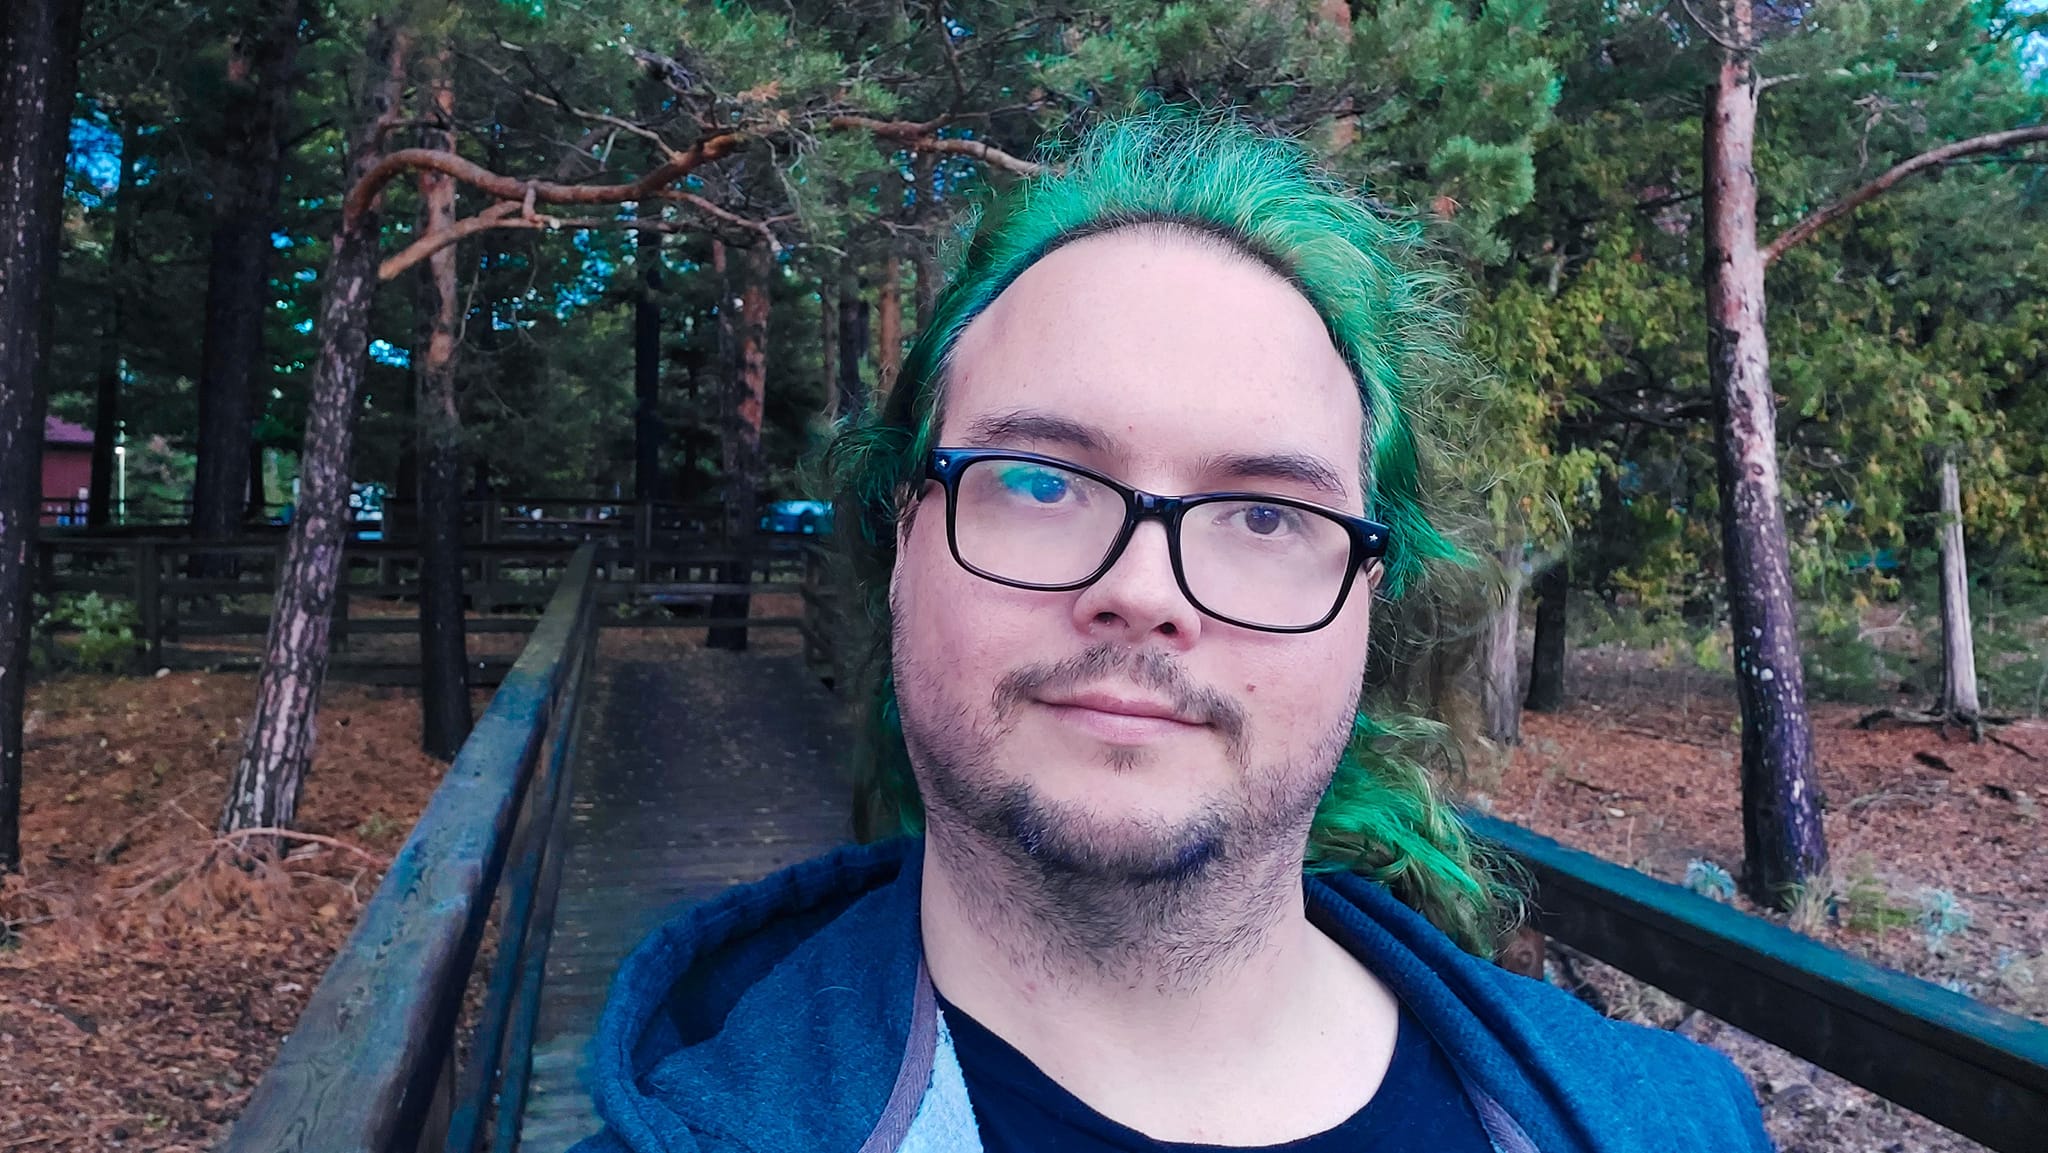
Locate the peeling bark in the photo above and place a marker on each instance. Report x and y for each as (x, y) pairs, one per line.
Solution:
(1498, 673)
(1783, 841)
(38, 73)
(278, 747)
(1958, 646)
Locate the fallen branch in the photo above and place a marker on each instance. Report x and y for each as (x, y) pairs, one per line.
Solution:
(1994, 738)
(228, 840)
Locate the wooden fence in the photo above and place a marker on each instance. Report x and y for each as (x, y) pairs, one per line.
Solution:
(180, 596)
(372, 1063)
(1978, 1070)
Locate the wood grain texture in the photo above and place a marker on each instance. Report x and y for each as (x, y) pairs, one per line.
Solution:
(694, 774)
(361, 1068)
(1978, 1070)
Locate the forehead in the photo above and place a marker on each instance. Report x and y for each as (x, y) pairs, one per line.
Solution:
(1175, 348)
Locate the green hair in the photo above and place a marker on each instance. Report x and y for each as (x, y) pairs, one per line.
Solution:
(1384, 304)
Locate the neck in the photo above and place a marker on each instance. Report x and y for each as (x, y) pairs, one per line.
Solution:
(1203, 1009)
(1010, 937)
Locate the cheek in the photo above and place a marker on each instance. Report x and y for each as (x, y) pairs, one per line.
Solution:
(949, 619)
(1298, 694)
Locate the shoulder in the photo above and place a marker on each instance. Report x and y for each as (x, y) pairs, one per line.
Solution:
(1542, 1052)
(1658, 1077)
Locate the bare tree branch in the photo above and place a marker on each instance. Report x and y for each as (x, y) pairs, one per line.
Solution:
(518, 198)
(1933, 158)
(668, 151)
(508, 215)
(544, 191)
(923, 138)
(706, 207)
(496, 216)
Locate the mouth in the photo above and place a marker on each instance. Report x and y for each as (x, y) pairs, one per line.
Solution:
(1119, 719)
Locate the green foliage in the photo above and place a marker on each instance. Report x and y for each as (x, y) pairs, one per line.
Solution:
(1940, 918)
(1709, 880)
(102, 630)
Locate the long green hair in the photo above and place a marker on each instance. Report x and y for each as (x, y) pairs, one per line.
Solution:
(1384, 303)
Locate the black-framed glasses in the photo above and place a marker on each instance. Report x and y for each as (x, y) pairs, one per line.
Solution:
(1250, 559)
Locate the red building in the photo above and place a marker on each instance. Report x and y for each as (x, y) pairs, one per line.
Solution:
(67, 471)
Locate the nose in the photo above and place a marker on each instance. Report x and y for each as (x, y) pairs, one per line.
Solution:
(1138, 598)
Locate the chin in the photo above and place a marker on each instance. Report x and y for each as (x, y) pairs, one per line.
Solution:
(1120, 838)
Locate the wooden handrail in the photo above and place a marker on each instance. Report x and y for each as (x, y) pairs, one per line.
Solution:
(1968, 1066)
(369, 1065)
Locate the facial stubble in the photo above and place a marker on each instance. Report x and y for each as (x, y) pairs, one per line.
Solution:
(1144, 898)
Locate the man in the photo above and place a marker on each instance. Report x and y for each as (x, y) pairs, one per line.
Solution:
(1121, 527)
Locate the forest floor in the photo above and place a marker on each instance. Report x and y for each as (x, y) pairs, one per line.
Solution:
(146, 980)
(1642, 768)
(148, 970)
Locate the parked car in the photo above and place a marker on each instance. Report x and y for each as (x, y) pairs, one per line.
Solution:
(807, 517)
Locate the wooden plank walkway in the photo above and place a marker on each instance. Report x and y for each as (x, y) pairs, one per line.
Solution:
(697, 770)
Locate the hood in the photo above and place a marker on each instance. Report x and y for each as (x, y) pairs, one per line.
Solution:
(795, 1014)
(775, 1016)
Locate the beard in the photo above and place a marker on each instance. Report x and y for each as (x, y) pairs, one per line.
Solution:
(1139, 896)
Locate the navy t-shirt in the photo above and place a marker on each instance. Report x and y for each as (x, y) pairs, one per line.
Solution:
(1420, 1107)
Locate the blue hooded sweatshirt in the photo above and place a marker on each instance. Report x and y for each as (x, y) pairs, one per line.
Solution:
(796, 1015)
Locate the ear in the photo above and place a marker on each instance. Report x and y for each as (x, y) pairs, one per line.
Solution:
(1374, 579)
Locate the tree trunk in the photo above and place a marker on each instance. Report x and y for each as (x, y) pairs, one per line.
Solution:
(245, 191)
(853, 339)
(1546, 664)
(106, 416)
(38, 73)
(1783, 840)
(922, 259)
(444, 657)
(828, 332)
(265, 789)
(648, 435)
(1958, 647)
(1498, 679)
(742, 452)
(889, 340)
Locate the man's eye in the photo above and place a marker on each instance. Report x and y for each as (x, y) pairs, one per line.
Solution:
(1266, 520)
(1041, 485)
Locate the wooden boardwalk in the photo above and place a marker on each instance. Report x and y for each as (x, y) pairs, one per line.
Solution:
(697, 770)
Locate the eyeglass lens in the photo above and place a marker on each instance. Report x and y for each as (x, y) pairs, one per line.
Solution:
(1262, 564)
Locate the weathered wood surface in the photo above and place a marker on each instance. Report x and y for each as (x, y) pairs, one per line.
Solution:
(698, 771)
(362, 1068)
(1963, 1064)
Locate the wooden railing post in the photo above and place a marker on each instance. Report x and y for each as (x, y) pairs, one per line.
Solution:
(366, 1065)
(148, 605)
(487, 564)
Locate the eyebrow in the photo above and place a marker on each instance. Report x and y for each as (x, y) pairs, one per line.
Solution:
(1296, 467)
(1301, 468)
(993, 430)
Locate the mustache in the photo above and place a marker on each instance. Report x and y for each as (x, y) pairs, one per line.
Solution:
(1147, 668)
